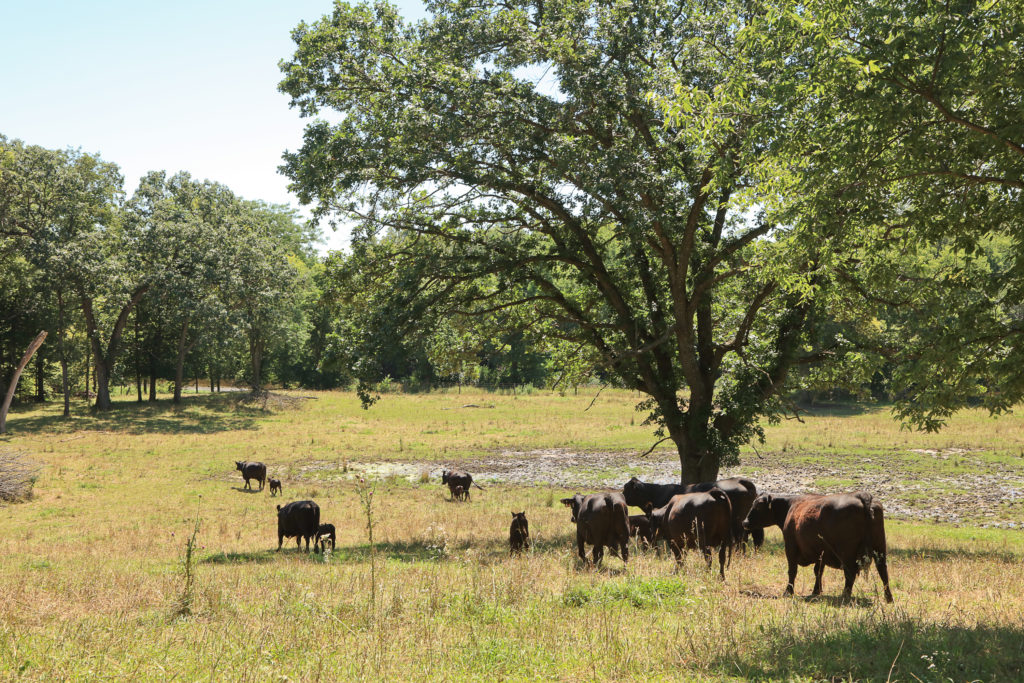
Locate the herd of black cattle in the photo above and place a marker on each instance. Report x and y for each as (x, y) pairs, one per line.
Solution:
(844, 531)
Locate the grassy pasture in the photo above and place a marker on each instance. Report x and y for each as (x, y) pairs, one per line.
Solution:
(90, 568)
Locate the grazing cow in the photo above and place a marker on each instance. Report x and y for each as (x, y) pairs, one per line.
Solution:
(299, 519)
(455, 478)
(843, 531)
(518, 533)
(641, 529)
(324, 533)
(275, 487)
(601, 520)
(252, 470)
(701, 520)
(741, 492)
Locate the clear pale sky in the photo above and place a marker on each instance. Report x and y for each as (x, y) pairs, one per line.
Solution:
(170, 86)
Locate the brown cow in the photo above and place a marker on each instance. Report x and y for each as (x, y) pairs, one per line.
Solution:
(518, 533)
(601, 520)
(843, 531)
(640, 527)
(697, 520)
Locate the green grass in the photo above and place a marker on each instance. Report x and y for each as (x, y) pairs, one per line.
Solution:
(90, 568)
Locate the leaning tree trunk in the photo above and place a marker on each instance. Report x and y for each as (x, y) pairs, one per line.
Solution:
(9, 396)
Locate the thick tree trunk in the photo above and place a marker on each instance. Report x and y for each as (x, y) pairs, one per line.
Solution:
(101, 375)
(256, 358)
(88, 355)
(9, 396)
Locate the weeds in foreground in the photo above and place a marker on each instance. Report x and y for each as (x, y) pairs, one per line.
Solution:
(186, 601)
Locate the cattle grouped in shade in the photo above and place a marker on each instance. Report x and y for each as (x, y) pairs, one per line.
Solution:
(324, 533)
(844, 531)
(252, 470)
(299, 520)
(518, 533)
(741, 493)
(601, 520)
(275, 487)
(456, 478)
(696, 521)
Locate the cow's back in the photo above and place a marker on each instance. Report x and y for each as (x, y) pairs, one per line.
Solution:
(299, 518)
(603, 519)
(834, 527)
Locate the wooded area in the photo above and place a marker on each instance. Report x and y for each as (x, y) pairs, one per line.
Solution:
(728, 208)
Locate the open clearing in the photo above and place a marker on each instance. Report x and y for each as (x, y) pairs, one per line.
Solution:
(92, 575)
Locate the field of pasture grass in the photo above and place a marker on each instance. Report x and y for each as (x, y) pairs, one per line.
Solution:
(91, 568)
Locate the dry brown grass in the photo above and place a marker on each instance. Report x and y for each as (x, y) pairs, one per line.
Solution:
(90, 569)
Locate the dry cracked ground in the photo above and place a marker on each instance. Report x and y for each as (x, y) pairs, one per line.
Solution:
(951, 485)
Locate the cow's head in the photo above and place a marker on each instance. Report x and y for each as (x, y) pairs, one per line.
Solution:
(632, 492)
(657, 519)
(240, 465)
(760, 514)
(444, 476)
(573, 504)
(519, 520)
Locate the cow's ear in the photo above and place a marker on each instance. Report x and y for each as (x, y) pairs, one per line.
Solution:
(768, 499)
(648, 508)
(567, 502)
(513, 514)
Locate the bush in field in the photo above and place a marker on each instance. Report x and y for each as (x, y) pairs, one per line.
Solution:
(17, 476)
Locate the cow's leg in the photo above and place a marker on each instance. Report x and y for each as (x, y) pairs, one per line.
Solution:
(598, 555)
(851, 575)
(883, 573)
(721, 561)
(677, 552)
(298, 543)
(247, 483)
(791, 559)
(581, 547)
(819, 570)
(625, 551)
(262, 481)
(280, 540)
(706, 552)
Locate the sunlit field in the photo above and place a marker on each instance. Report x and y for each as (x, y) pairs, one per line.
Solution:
(92, 566)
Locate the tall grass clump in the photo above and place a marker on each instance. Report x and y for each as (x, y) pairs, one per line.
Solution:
(366, 491)
(17, 476)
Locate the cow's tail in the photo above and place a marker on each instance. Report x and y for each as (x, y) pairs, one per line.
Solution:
(864, 553)
(478, 486)
(730, 536)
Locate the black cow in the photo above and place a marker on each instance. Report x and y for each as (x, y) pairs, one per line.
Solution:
(518, 533)
(601, 520)
(741, 492)
(455, 479)
(275, 487)
(844, 531)
(701, 520)
(640, 527)
(252, 470)
(299, 519)
(324, 533)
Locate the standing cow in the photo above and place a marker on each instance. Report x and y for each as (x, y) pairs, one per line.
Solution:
(299, 519)
(518, 533)
(701, 520)
(252, 470)
(456, 479)
(844, 531)
(601, 520)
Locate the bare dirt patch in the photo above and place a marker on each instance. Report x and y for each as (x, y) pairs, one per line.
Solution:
(986, 495)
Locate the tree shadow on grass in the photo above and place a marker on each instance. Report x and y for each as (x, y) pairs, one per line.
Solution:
(220, 414)
(245, 490)
(867, 649)
(253, 557)
(947, 554)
